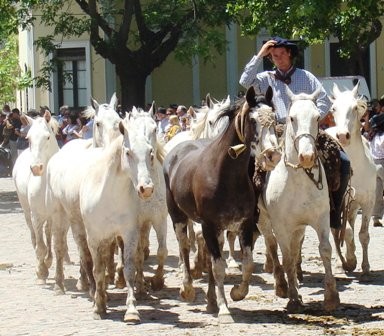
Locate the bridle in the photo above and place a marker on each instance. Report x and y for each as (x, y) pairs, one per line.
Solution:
(317, 181)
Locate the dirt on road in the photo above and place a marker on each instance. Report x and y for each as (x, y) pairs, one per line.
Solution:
(29, 309)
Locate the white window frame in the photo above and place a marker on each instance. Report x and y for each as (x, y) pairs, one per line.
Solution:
(53, 95)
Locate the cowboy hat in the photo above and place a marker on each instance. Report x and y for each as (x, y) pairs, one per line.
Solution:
(282, 42)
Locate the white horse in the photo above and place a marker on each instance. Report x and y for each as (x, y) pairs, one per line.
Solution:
(64, 177)
(204, 123)
(29, 175)
(347, 111)
(296, 195)
(119, 180)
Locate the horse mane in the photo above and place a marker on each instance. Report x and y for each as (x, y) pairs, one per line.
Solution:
(54, 124)
(199, 125)
(89, 112)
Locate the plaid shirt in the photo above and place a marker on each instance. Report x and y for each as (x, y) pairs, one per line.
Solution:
(302, 81)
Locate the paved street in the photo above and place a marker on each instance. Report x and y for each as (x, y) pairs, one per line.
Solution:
(29, 309)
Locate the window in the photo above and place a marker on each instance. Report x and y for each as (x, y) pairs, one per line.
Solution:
(71, 77)
(349, 67)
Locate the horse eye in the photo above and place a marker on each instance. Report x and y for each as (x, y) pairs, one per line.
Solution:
(98, 124)
(48, 137)
(291, 118)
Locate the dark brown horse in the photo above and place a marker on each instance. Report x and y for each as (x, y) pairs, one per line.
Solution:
(207, 181)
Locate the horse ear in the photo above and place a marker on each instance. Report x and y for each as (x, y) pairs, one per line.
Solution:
(27, 118)
(121, 126)
(335, 90)
(113, 102)
(191, 112)
(361, 108)
(250, 96)
(355, 89)
(47, 116)
(269, 94)
(152, 110)
(208, 101)
(94, 104)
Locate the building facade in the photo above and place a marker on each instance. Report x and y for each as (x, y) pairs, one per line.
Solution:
(172, 82)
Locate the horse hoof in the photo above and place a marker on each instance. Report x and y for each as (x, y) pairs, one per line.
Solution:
(58, 290)
(350, 265)
(157, 283)
(212, 308)
(41, 282)
(295, 306)
(99, 316)
(187, 293)
(132, 318)
(82, 285)
(282, 291)
(226, 319)
(120, 283)
(331, 304)
(237, 293)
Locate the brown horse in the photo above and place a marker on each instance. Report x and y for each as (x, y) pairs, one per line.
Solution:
(207, 181)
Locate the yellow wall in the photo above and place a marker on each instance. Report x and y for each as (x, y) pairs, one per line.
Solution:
(172, 83)
(380, 65)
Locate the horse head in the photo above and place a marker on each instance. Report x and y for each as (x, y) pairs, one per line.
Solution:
(302, 129)
(106, 121)
(42, 141)
(265, 146)
(347, 110)
(139, 150)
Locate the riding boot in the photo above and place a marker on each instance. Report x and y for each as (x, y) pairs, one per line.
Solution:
(338, 195)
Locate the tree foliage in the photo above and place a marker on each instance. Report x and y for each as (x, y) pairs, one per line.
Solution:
(356, 23)
(135, 35)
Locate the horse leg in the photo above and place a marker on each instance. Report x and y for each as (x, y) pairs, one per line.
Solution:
(214, 245)
(110, 268)
(60, 229)
(231, 262)
(119, 276)
(200, 258)
(146, 229)
(212, 307)
(131, 242)
(28, 220)
(139, 263)
(286, 240)
(299, 260)
(99, 250)
(67, 259)
(331, 296)
(40, 249)
(80, 237)
(48, 237)
(187, 292)
(364, 241)
(160, 226)
(349, 238)
(239, 292)
(281, 286)
(192, 236)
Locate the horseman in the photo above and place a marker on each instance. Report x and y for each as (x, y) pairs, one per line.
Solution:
(282, 53)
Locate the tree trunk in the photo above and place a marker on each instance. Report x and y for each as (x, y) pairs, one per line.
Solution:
(132, 85)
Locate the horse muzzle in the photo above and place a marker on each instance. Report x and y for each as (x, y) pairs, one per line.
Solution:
(307, 160)
(37, 170)
(145, 192)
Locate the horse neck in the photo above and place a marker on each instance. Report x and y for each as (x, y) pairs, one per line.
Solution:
(228, 139)
(357, 151)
